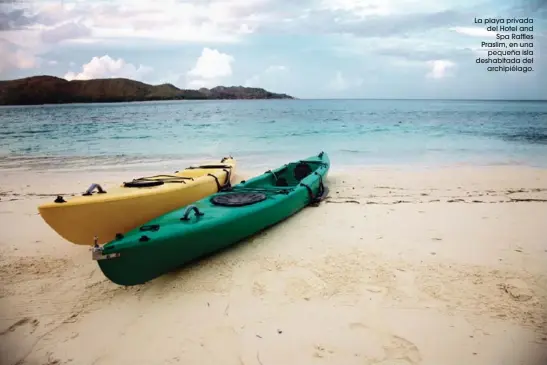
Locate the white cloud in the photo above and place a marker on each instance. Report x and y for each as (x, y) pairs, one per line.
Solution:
(366, 8)
(199, 83)
(439, 68)
(18, 60)
(220, 21)
(360, 8)
(14, 57)
(253, 81)
(341, 83)
(211, 66)
(245, 29)
(71, 30)
(276, 68)
(23, 48)
(409, 47)
(107, 67)
(223, 21)
(268, 78)
(171, 32)
(474, 31)
(53, 13)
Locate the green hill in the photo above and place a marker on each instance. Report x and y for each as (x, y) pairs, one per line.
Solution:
(55, 90)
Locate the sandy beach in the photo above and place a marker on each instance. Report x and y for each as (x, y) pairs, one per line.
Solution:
(440, 266)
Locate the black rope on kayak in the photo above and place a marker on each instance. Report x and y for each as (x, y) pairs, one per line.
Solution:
(156, 180)
(216, 180)
(321, 186)
(226, 158)
(314, 200)
(321, 163)
(168, 178)
(210, 167)
(227, 183)
(310, 192)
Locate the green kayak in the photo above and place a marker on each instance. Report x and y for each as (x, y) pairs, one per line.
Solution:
(213, 223)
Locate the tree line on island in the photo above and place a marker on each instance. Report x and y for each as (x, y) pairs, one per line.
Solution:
(38, 90)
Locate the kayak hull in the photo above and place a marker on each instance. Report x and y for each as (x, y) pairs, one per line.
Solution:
(98, 217)
(169, 242)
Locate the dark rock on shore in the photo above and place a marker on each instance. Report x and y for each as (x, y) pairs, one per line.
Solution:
(54, 90)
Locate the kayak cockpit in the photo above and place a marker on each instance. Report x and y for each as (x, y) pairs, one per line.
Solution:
(281, 181)
(293, 173)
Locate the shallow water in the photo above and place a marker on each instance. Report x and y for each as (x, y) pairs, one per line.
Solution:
(270, 132)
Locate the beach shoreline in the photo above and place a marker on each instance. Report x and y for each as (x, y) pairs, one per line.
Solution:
(400, 265)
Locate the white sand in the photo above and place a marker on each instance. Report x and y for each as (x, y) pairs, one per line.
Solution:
(438, 267)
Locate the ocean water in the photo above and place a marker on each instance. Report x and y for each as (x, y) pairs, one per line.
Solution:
(265, 133)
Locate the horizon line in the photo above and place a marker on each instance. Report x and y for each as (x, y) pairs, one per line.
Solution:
(422, 99)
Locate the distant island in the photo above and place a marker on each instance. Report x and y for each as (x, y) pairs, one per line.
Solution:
(38, 90)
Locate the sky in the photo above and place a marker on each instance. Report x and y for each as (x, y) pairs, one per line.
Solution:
(402, 49)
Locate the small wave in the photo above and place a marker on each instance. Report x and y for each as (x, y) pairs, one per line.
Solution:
(130, 137)
(197, 125)
(38, 131)
(533, 138)
(352, 151)
(303, 133)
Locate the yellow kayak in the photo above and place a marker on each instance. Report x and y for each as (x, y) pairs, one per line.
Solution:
(100, 213)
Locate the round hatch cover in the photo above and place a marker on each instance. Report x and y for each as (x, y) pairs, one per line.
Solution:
(237, 199)
(142, 183)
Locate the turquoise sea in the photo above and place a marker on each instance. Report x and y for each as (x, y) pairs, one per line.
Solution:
(264, 133)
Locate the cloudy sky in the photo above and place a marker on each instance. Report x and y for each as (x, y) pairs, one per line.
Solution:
(306, 48)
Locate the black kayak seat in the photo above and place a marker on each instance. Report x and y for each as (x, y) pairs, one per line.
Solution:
(281, 182)
(301, 170)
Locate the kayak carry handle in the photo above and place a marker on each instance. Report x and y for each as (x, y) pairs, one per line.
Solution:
(190, 209)
(92, 188)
